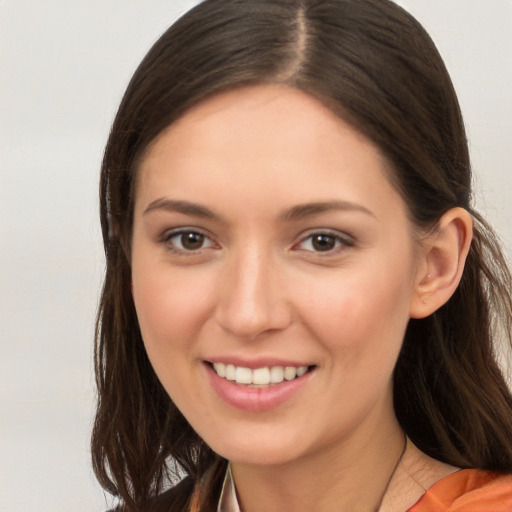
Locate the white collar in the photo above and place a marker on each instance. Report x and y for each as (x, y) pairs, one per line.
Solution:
(228, 501)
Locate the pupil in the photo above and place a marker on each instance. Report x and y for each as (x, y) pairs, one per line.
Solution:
(192, 241)
(323, 242)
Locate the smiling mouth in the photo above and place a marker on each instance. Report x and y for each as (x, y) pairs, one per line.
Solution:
(259, 377)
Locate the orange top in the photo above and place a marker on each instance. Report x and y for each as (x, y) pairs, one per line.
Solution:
(468, 490)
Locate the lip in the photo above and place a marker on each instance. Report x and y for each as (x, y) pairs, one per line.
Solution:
(256, 399)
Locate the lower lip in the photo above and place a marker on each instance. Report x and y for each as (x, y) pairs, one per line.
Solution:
(256, 399)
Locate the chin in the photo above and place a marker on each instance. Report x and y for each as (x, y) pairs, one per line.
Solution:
(256, 456)
(257, 448)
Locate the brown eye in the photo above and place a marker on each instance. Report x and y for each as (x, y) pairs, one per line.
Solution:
(192, 241)
(323, 242)
(187, 241)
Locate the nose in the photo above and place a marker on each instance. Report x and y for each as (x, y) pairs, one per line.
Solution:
(252, 299)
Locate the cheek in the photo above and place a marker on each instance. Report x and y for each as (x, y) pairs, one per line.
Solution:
(360, 313)
(172, 308)
(168, 321)
(166, 310)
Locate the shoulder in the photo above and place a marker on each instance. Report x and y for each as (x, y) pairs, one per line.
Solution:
(468, 490)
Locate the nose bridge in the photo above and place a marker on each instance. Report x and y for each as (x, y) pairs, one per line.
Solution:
(250, 299)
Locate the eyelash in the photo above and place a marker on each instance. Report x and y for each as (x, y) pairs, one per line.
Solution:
(339, 241)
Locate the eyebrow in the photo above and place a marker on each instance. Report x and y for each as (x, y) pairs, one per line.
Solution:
(178, 206)
(310, 209)
(295, 213)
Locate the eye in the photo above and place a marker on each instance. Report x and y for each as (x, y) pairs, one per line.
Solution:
(323, 242)
(187, 240)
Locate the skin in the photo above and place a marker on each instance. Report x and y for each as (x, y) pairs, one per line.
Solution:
(258, 288)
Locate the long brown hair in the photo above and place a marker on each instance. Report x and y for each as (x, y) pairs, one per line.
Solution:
(375, 66)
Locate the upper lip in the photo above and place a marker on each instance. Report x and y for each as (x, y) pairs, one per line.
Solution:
(258, 362)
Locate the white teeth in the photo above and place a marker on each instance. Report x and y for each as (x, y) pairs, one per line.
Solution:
(230, 372)
(290, 373)
(276, 374)
(243, 375)
(301, 370)
(259, 376)
(220, 368)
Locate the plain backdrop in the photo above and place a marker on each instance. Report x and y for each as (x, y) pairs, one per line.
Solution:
(63, 68)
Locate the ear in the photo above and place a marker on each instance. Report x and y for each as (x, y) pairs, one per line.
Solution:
(442, 258)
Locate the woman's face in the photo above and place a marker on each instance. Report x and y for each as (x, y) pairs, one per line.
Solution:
(270, 248)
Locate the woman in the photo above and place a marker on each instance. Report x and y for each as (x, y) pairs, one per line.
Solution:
(296, 281)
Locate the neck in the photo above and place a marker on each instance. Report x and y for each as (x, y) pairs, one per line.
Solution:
(352, 475)
(416, 473)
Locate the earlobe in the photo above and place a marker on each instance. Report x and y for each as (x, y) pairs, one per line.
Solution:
(443, 257)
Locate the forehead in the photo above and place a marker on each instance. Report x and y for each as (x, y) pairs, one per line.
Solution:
(264, 140)
(297, 115)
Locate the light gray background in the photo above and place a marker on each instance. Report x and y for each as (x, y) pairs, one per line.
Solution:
(63, 68)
